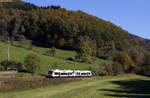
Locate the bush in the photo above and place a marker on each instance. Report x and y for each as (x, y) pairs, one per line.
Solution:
(101, 70)
(5, 65)
(2, 68)
(109, 69)
(117, 68)
(32, 62)
(70, 59)
(95, 69)
(142, 70)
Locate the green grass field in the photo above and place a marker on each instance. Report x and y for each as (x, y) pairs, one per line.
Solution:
(126, 86)
(19, 54)
(59, 53)
(42, 50)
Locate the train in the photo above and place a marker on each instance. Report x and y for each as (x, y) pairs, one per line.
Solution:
(57, 73)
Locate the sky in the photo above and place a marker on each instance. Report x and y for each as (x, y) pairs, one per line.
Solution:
(131, 15)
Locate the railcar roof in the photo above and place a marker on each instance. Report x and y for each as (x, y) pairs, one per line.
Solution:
(58, 70)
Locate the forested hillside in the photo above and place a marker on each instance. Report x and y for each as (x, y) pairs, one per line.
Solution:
(90, 36)
(59, 27)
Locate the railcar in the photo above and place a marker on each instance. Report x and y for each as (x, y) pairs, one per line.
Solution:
(56, 73)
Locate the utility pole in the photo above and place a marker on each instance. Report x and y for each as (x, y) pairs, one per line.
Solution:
(8, 49)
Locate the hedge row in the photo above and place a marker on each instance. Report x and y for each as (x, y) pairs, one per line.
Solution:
(15, 85)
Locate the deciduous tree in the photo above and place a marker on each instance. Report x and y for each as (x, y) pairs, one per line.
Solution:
(84, 52)
(32, 62)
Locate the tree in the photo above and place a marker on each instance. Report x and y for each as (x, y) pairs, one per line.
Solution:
(5, 65)
(13, 28)
(147, 59)
(144, 69)
(3, 31)
(137, 55)
(125, 60)
(32, 62)
(117, 68)
(84, 52)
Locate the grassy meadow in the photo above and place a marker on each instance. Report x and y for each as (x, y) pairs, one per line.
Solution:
(124, 86)
(19, 54)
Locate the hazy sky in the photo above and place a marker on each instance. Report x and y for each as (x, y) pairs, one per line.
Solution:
(131, 15)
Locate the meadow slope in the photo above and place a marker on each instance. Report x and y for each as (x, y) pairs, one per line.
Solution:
(128, 85)
(19, 54)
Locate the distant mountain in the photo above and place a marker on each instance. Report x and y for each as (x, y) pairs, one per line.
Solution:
(142, 41)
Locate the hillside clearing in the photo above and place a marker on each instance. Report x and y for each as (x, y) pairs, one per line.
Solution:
(132, 86)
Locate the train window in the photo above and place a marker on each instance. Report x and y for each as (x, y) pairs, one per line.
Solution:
(50, 72)
(56, 73)
(70, 73)
(83, 73)
(64, 73)
(78, 73)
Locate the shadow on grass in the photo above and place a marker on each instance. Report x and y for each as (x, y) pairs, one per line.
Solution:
(130, 89)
